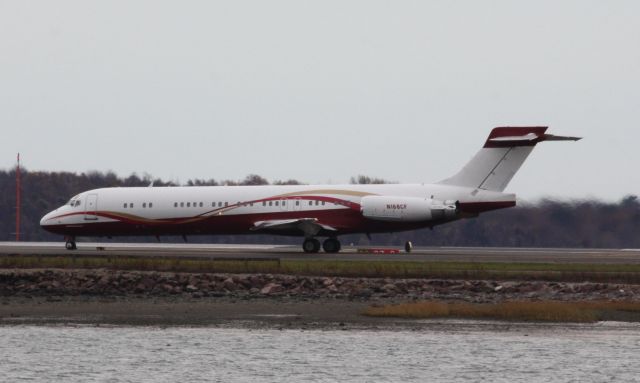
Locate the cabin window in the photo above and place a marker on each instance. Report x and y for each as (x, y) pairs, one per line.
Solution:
(270, 203)
(195, 204)
(131, 205)
(226, 204)
(317, 203)
(322, 203)
(213, 204)
(188, 204)
(297, 203)
(150, 204)
(284, 203)
(219, 204)
(175, 204)
(264, 203)
(125, 205)
(181, 204)
(276, 203)
(144, 204)
(201, 204)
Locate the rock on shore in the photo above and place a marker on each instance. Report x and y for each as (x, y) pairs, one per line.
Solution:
(102, 282)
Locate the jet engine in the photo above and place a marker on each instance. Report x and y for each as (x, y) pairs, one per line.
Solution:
(407, 209)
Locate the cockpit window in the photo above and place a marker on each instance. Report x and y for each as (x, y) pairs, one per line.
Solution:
(74, 201)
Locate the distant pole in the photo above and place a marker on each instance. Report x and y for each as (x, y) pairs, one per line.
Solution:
(18, 200)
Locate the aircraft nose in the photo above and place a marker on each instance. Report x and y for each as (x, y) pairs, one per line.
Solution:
(45, 218)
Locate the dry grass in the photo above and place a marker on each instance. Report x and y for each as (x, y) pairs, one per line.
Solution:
(538, 311)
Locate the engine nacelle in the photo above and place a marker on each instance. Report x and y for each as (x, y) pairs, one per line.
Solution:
(407, 209)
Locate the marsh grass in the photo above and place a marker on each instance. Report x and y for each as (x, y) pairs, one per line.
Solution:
(536, 311)
(607, 273)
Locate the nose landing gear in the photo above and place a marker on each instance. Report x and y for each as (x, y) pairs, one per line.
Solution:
(71, 243)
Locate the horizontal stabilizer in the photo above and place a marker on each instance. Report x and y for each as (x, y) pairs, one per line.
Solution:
(526, 136)
(515, 139)
(551, 137)
(504, 151)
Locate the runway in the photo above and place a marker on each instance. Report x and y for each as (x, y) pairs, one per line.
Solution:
(240, 252)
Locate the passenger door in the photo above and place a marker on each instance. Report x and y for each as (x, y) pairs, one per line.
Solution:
(90, 207)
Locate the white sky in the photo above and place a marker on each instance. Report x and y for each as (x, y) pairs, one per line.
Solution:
(324, 90)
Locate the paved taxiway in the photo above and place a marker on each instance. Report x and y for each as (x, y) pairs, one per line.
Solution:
(452, 254)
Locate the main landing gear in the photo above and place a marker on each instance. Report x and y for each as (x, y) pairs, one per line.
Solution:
(312, 245)
(71, 243)
(331, 245)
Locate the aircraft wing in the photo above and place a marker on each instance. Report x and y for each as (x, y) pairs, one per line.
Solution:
(307, 226)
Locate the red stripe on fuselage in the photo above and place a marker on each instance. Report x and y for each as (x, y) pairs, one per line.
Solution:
(344, 220)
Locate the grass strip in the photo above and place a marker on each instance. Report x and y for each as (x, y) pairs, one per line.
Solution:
(536, 311)
(606, 273)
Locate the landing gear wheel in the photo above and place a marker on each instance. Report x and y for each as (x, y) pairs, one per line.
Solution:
(331, 245)
(311, 245)
(408, 246)
(70, 245)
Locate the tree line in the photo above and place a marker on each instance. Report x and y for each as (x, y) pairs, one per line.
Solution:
(548, 223)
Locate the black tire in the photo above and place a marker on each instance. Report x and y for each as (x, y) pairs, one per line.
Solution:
(70, 245)
(311, 245)
(331, 245)
(408, 246)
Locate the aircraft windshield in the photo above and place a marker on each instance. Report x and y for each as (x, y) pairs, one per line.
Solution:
(75, 201)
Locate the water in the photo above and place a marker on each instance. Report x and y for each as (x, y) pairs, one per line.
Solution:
(452, 352)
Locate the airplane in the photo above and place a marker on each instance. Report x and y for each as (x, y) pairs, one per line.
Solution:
(309, 211)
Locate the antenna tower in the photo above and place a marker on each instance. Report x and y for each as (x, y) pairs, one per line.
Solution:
(18, 200)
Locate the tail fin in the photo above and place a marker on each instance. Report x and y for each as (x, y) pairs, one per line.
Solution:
(502, 155)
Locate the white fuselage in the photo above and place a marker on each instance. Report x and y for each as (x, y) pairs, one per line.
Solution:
(237, 209)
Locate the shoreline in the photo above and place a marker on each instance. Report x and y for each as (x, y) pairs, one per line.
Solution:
(251, 315)
(149, 298)
(171, 311)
